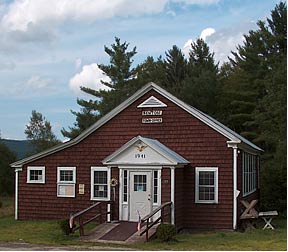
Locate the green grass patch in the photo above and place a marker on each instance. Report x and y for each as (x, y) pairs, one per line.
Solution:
(37, 232)
(42, 232)
(49, 233)
(258, 239)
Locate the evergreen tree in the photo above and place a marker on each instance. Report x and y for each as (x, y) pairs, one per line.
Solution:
(121, 86)
(201, 83)
(6, 172)
(175, 66)
(39, 131)
(255, 94)
(150, 71)
(236, 101)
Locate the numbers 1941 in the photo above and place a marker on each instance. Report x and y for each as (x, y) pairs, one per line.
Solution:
(140, 156)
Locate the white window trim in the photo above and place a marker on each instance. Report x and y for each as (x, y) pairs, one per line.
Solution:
(36, 168)
(101, 168)
(201, 169)
(63, 183)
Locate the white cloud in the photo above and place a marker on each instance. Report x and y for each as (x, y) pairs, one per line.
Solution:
(36, 82)
(197, 2)
(24, 13)
(223, 41)
(41, 21)
(90, 76)
(206, 33)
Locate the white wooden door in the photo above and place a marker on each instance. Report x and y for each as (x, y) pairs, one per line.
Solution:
(140, 194)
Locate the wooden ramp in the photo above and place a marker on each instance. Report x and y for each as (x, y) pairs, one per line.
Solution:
(124, 232)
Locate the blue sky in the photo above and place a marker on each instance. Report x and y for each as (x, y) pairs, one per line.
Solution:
(50, 48)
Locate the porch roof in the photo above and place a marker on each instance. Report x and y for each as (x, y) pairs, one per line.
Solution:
(158, 153)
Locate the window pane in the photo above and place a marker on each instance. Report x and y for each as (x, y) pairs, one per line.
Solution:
(100, 191)
(100, 177)
(249, 172)
(140, 183)
(155, 186)
(66, 190)
(206, 178)
(66, 175)
(206, 193)
(35, 175)
(125, 193)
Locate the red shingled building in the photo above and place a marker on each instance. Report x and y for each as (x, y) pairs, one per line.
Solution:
(158, 149)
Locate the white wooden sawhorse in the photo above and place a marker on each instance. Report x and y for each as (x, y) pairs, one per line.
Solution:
(268, 217)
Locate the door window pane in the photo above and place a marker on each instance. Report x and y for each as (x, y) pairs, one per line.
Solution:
(140, 183)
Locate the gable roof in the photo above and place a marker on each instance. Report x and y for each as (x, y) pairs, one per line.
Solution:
(211, 122)
(170, 156)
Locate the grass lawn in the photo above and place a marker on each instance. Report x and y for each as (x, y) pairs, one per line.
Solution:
(258, 239)
(49, 233)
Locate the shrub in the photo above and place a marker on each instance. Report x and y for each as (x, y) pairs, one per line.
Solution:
(165, 232)
(64, 225)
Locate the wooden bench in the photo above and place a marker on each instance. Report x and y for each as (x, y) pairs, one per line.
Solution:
(268, 217)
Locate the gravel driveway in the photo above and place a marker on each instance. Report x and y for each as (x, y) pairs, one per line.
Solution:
(22, 246)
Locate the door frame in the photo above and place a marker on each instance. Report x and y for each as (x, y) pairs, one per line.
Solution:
(124, 208)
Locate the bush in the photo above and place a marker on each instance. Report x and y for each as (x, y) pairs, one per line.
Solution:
(64, 225)
(165, 232)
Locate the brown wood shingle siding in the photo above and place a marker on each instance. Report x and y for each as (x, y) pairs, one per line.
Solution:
(179, 131)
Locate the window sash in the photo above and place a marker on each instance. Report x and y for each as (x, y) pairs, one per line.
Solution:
(36, 174)
(206, 183)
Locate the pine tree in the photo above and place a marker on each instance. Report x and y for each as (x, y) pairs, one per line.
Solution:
(175, 66)
(201, 83)
(6, 172)
(122, 85)
(150, 71)
(255, 94)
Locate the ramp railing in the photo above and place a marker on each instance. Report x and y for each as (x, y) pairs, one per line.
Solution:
(86, 216)
(148, 217)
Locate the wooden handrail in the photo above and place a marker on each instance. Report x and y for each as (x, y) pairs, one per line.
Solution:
(148, 216)
(79, 217)
(86, 210)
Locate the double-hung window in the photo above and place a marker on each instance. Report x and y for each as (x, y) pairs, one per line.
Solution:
(206, 182)
(36, 174)
(66, 180)
(100, 183)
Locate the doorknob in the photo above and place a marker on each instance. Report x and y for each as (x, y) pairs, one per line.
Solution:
(149, 196)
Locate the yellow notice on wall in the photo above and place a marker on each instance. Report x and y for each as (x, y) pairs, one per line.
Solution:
(81, 188)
